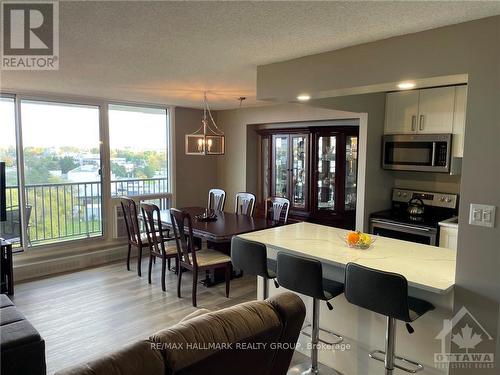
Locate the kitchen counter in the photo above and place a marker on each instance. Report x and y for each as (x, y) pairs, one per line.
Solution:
(425, 267)
(448, 233)
(450, 223)
(430, 272)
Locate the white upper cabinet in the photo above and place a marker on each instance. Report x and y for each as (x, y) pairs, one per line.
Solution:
(435, 110)
(457, 143)
(401, 111)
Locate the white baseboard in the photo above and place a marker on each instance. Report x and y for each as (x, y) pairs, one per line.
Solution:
(70, 263)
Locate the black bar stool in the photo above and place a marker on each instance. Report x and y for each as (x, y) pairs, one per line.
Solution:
(251, 258)
(385, 293)
(305, 275)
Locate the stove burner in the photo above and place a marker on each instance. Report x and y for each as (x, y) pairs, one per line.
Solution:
(416, 218)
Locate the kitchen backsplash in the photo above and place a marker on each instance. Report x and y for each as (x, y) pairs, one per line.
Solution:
(443, 183)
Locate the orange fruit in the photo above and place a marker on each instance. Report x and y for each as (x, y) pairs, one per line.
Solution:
(353, 238)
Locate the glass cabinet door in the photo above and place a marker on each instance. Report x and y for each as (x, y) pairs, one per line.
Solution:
(299, 171)
(351, 172)
(327, 149)
(266, 157)
(280, 167)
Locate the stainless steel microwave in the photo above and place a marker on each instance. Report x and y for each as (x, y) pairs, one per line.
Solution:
(417, 152)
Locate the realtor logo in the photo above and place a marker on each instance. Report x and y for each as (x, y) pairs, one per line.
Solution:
(30, 35)
(469, 343)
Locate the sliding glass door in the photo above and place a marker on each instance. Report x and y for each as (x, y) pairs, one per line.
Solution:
(62, 171)
(54, 183)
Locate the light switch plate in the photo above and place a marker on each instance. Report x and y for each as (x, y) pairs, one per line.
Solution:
(482, 215)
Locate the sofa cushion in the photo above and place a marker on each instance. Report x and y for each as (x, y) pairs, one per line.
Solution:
(250, 356)
(9, 315)
(28, 358)
(5, 301)
(17, 334)
(200, 337)
(139, 358)
(22, 348)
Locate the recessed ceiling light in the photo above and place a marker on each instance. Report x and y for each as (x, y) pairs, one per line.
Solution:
(406, 85)
(303, 97)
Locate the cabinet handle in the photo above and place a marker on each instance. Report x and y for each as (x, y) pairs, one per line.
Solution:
(413, 122)
(421, 125)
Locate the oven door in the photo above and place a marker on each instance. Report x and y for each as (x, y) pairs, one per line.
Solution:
(426, 153)
(405, 232)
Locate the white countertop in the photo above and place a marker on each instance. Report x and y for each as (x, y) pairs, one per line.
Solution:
(425, 267)
(450, 223)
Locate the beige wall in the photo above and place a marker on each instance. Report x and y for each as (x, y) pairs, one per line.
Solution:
(427, 181)
(471, 48)
(237, 171)
(232, 168)
(194, 175)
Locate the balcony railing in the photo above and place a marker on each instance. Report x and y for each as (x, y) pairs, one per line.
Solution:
(62, 211)
(139, 186)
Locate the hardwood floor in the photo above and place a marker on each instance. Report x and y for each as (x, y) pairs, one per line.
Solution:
(89, 313)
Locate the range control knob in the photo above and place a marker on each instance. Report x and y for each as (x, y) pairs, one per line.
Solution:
(447, 199)
(405, 195)
(399, 193)
(441, 199)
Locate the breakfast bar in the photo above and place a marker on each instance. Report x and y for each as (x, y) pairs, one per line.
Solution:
(430, 272)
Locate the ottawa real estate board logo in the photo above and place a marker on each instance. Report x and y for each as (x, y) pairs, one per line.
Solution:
(30, 35)
(465, 343)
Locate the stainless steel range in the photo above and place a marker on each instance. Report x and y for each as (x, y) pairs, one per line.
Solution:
(414, 215)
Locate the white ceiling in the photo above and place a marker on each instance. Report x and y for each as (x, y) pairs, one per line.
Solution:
(169, 52)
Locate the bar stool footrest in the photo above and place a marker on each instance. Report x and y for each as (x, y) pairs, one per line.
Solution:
(379, 355)
(331, 333)
(306, 369)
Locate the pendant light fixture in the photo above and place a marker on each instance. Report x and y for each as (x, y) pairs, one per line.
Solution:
(208, 139)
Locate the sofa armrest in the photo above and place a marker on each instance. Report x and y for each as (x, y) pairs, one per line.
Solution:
(292, 312)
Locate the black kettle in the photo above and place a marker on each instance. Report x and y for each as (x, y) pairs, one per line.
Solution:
(416, 207)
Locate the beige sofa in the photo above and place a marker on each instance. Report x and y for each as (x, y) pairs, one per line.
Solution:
(251, 338)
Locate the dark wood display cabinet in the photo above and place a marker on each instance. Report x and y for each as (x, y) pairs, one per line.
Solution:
(316, 169)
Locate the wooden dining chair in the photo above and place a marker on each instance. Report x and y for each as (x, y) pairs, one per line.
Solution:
(277, 209)
(135, 239)
(216, 199)
(14, 223)
(195, 261)
(158, 239)
(244, 204)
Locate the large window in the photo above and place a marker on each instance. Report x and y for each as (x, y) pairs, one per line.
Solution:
(58, 154)
(138, 140)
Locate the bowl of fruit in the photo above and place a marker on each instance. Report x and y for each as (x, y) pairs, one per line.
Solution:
(358, 240)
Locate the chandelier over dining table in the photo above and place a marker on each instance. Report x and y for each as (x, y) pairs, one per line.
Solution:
(208, 139)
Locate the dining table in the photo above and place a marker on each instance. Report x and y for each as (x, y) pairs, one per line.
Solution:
(223, 228)
(218, 233)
